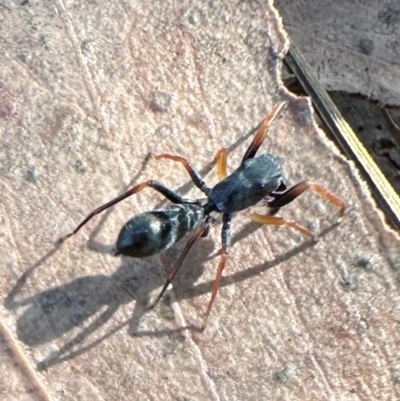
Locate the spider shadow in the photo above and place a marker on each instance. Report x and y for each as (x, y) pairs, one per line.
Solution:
(182, 293)
(92, 300)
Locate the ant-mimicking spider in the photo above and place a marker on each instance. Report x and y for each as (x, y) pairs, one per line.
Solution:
(257, 178)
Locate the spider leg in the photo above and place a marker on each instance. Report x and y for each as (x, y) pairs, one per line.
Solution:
(168, 193)
(221, 159)
(193, 238)
(194, 175)
(292, 193)
(226, 240)
(279, 221)
(262, 132)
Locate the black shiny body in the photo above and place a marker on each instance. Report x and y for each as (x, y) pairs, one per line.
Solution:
(151, 232)
(246, 186)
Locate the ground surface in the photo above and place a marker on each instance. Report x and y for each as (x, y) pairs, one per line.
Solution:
(353, 46)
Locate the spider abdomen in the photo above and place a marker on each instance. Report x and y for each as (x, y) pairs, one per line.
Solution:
(151, 232)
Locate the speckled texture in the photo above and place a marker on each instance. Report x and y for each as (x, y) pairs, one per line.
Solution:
(87, 90)
(353, 46)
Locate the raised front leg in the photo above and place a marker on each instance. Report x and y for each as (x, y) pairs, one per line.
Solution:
(262, 132)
